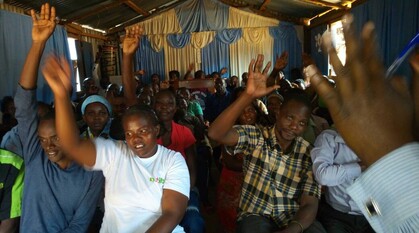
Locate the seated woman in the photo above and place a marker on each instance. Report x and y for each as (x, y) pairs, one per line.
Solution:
(97, 112)
(147, 185)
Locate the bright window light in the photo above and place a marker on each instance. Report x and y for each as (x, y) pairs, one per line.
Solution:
(336, 30)
(73, 56)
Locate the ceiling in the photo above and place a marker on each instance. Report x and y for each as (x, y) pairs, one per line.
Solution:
(112, 16)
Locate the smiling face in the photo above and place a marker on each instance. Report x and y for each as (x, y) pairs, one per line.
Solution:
(96, 116)
(291, 121)
(141, 134)
(165, 106)
(49, 141)
(248, 116)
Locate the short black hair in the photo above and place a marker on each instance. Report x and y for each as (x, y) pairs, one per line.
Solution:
(143, 110)
(166, 91)
(298, 95)
(199, 73)
(50, 115)
(174, 72)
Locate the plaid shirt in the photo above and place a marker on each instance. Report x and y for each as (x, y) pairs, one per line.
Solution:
(274, 181)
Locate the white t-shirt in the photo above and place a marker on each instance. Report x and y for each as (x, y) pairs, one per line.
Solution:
(134, 185)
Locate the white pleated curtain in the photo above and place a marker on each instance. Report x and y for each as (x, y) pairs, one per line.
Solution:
(255, 40)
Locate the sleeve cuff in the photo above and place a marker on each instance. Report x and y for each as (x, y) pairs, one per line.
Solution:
(387, 193)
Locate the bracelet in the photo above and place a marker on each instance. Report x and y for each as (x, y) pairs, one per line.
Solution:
(299, 224)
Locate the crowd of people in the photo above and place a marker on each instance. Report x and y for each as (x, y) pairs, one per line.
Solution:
(137, 158)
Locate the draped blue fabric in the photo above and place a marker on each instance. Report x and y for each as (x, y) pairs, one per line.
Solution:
(15, 42)
(179, 40)
(285, 39)
(396, 23)
(229, 36)
(202, 15)
(149, 60)
(316, 51)
(216, 54)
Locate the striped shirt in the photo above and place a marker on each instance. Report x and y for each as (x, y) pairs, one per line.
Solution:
(392, 184)
(274, 180)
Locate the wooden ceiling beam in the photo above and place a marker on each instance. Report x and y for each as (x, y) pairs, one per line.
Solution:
(98, 8)
(333, 15)
(264, 5)
(279, 16)
(137, 9)
(324, 4)
(78, 31)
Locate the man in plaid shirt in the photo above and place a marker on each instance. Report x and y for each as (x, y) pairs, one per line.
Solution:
(279, 193)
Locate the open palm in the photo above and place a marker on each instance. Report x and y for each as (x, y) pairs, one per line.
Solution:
(256, 83)
(43, 26)
(132, 37)
(58, 75)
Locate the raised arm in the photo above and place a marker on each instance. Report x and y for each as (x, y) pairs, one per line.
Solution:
(280, 63)
(221, 129)
(362, 99)
(42, 29)
(58, 75)
(130, 46)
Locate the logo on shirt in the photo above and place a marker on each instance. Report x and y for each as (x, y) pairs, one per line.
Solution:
(157, 180)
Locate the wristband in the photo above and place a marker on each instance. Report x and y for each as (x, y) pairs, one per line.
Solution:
(299, 224)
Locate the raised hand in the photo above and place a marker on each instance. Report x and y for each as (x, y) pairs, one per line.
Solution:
(131, 40)
(256, 83)
(43, 26)
(373, 115)
(281, 61)
(58, 75)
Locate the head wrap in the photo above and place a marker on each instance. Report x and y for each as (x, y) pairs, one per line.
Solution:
(96, 99)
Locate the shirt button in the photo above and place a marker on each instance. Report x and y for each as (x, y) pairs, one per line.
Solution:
(372, 208)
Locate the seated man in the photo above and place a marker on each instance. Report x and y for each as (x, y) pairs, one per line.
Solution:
(336, 166)
(11, 189)
(279, 192)
(59, 195)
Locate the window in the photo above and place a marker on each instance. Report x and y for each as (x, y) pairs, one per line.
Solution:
(336, 30)
(73, 56)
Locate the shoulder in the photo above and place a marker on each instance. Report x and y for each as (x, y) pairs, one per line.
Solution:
(169, 155)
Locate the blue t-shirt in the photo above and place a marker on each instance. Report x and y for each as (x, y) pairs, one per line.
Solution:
(54, 199)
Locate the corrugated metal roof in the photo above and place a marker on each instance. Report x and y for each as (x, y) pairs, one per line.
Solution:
(113, 15)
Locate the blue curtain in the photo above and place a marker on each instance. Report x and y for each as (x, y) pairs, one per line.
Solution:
(179, 40)
(285, 39)
(396, 23)
(316, 51)
(216, 54)
(149, 60)
(202, 15)
(15, 42)
(229, 36)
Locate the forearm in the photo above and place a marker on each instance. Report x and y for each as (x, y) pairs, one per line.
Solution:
(28, 78)
(67, 129)
(222, 125)
(128, 79)
(166, 223)
(305, 216)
